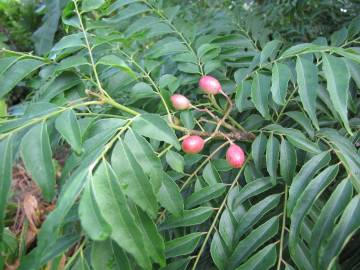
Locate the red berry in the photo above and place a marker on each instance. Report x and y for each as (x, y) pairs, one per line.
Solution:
(235, 156)
(193, 144)
(210, 85)
(180, 102)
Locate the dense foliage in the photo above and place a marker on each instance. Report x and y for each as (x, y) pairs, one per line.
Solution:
(127, 196)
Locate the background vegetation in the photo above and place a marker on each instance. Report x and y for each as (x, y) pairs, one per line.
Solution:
(92, 175)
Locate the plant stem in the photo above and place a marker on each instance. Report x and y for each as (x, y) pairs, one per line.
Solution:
(234, 135)
(216, 218)
(173, 27)
(45, 117)
(191, 176)
(108, 145)
(166, 149)
(101, 89)
(282, 230)
(121, 107)
(30, 55)
(73, 257)
(227, 112)
(285, 105)
(148, 77)
(188, 180)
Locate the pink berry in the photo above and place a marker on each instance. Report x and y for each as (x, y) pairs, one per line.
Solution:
(235, 156)
(180, 102)
(210, 85)
(193, 144)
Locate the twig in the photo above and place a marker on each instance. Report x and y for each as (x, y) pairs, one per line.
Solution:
(282, 230)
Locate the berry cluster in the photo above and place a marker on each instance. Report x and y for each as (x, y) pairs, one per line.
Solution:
(193, 144)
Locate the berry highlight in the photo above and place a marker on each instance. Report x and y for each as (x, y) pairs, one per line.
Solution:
(180, 102)
(193, 144)
(210, 85)
(235, 156)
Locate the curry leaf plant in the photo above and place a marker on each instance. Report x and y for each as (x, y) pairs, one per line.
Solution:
(286, 196)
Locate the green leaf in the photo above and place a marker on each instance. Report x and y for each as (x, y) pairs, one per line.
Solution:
(204, 195)
(188, 218)
(178, 264)
(91, 218)
(6, 163)
(243, 92)
(301, 256)
(147, 123)
(7, 62)
(119, 4)
(289, 267)
(127, 12)
(43, 37)
(302, 179)
(189, 68)
(219, 251)
(227, 227)
(187, 118)
(211, 175)
(312, 191)
(136, 185)
(61, 245)
(354, 26)
(244, 73)
(272, 157)
(254, 214)
(354, 69)
(251, 172)
(88, 5)
(37, 156)
(113, 206)
(301, 49)
(337, 76)
(287, 161)
(206, 49)
(59, 85)
(52, 224)
(339, 37)
(253, 241)
(303, 121)
(72, 62)
(170, 81)
(69, 128)
(296, 138)
(348, 224)
(153, 242)
(117, 62)
(307, 78)
(347, 153)
(280, 78)
(323, 227)
(263, 259)
(16, 73)
(145, 156)
(258, 148)
(269, 50)
(67, 42)
(169, 196)
(106, 255)
(175, 160)
(251, 189)
(3, 108)
(182, 245)
(211, 66)
(260, 90)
